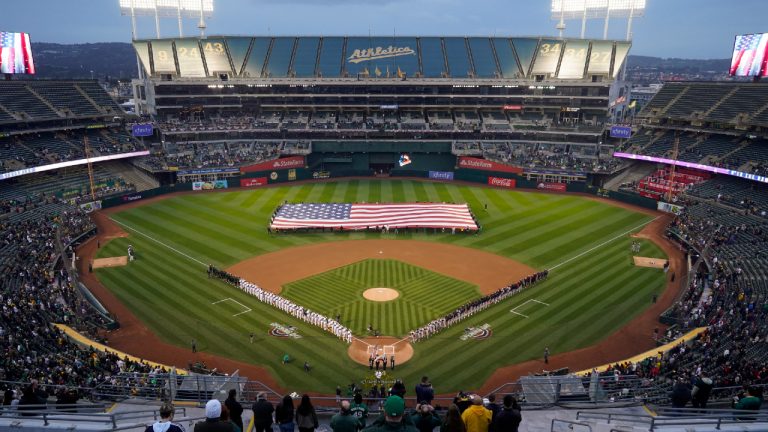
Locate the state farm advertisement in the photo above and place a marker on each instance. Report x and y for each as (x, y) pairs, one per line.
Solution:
(486, 165)
(251, 182)
(502, 182)
(557, 187)
(276, 164)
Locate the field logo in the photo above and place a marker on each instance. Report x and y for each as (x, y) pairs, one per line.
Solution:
(379, 53)
(478, 333)
(281, 331)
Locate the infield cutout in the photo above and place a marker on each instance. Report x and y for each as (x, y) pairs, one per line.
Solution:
(380, 294)
(233, 300)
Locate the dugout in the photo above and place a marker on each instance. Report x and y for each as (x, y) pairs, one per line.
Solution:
(382, 157)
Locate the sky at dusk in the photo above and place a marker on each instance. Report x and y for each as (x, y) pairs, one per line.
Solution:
(670, 28)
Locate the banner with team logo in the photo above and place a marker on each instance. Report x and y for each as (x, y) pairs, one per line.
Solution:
(669, 208)
(91, 206)
(557, 187)
(209, 185)
(477, 333)
(502, 182)
(283, 331)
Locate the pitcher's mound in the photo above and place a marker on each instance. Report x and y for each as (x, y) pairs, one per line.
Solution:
(110, 262)
(380, 294)
(360, 350)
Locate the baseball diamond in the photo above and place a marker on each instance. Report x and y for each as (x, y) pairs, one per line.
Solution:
(534, 229)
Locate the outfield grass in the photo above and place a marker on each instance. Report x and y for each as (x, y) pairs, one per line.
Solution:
(589, 296)
(424, 295)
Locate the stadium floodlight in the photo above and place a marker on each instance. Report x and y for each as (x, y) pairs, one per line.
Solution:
(593, 9)
(167, 8)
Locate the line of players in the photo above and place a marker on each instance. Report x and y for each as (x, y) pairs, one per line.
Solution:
(471, 308)
(302, 313)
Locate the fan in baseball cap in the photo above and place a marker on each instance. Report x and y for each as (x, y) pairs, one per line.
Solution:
(394, 406)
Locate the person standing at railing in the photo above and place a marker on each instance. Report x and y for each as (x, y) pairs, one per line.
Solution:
(509, 417)
(235, 409)
(262, 413)
(166, 421)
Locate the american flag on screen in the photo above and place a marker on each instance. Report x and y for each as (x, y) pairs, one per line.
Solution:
(362, 216)
(16, 53)
(749, 55)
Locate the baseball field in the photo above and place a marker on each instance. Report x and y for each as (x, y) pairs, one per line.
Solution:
(593, 288)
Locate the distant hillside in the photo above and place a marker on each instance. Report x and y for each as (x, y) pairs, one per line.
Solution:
(117, 60)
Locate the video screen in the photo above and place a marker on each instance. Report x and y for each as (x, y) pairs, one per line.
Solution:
(16, 54)
(749, 56)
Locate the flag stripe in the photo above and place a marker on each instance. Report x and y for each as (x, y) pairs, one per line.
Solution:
(362, 216)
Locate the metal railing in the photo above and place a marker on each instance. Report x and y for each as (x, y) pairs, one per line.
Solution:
(569, 425)
(48, 415)
(667, 417)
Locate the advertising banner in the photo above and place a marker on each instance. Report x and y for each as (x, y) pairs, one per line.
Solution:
(131, 198)
(621, 132)
(291, 174)
(210, 171)
(209, 185)
(502, 182)
(276, 164)
(91, 206)
(251, 182)
(669, 208)
(321, 175)
(486, 165)
(441, 175)
(142, 130)
(558, 187)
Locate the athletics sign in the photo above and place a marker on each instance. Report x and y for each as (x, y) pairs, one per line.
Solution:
(283, 331)
(379, 53)
(478, 333)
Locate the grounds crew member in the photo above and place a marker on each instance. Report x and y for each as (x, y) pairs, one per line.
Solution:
(393, 420)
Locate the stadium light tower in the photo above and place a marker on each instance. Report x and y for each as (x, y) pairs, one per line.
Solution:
(597, 9)
(167, 9)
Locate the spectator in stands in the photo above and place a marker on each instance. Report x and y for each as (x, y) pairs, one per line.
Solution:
(306, 418)
(165, 424)
(477, 418)
(360, 410)
(493, 407)
(681, 394)
(462, 401)
(234, 408)
(212, 422)
(452, 421)
(393, 418)
(284, 414)
(225, 418)
(425, 419)
(262, 413)
(509, 417)
(32, 395)
(398, 388)
(702, 388)
(344, 420)
(752, 400)
(424, 391)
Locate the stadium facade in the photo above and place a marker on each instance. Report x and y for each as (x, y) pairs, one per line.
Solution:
(358, 103)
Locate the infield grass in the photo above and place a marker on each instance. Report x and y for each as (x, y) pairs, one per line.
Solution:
(588, 297)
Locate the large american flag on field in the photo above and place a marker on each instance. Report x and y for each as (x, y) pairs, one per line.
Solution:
(16, 53)
(362, 216)
(750, 55)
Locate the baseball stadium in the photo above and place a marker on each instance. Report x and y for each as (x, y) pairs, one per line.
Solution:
(335, 216)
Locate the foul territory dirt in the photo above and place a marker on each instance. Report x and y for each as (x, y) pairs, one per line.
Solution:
(636, 336)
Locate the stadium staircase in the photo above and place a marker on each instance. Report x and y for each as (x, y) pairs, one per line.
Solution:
(674, 100)
(90, 99)
(720, 102)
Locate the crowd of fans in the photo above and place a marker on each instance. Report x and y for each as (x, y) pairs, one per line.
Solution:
(34, 293)
(467, 310)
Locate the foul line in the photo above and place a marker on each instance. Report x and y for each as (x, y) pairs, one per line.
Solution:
(159, 242)
(603, 243)
(514, 310)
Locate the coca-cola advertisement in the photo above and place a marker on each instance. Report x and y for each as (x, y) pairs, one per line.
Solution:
(276, 164)
(502, 182)
(557, 187)
(251, 182)
(486, 165)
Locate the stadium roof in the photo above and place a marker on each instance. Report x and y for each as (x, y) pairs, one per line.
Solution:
(382, 57)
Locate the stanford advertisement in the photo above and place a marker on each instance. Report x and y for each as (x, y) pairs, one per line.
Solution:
(276, 164)
(502, 182)
(557, 187)
(251, 182)
(486, 165)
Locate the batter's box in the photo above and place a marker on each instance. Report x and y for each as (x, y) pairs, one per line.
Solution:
(514, 310)
(246, 308)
